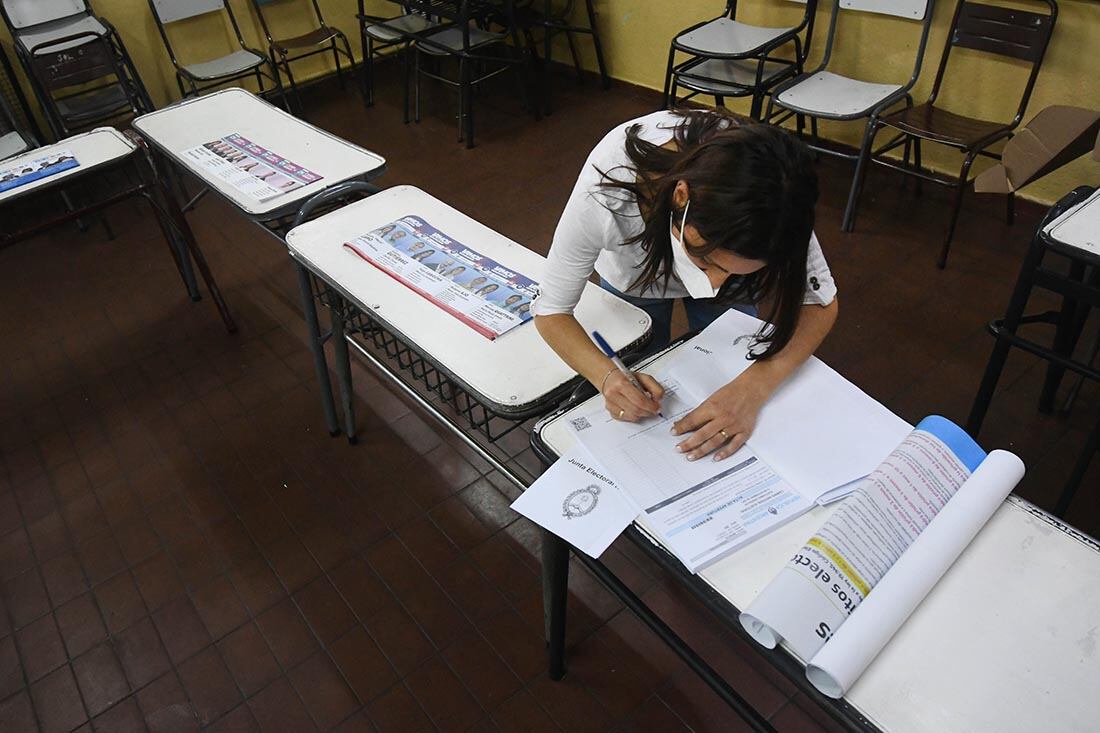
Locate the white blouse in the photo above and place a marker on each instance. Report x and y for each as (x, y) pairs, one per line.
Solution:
(597, 221)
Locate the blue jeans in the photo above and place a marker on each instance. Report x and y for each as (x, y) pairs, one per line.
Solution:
(700, 313)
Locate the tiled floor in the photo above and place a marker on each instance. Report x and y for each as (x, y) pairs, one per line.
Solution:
(182, 546)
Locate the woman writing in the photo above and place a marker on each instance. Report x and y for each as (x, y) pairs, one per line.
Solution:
(700, 207)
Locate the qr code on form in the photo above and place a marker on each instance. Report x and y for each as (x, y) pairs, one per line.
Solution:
(580, 423)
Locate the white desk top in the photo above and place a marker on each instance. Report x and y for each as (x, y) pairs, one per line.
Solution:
(1007, 642)
(1080, 226)
(93, 149)
(514, 370)
(200, 120)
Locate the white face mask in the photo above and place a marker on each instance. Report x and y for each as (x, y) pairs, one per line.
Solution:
(694, 279)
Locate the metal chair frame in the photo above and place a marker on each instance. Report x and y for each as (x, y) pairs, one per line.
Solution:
(374, 48)
(1079, 286)
(461, 14)
(132, 94)
(191, 85)
(872, 114)
(679, 75)
(281, 50)
(1006, 35)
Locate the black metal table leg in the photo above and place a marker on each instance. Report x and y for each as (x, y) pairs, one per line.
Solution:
(555, 595)
(317, 347)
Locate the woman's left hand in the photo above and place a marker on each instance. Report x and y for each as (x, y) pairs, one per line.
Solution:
(723, 422)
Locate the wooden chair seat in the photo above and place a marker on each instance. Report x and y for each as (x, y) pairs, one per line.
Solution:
(937, 124)
(324, 34)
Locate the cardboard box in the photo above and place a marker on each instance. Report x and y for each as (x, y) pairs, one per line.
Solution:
(1054, 137)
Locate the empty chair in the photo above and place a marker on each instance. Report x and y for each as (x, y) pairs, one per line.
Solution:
(729, 58)
(13, 141)
(461, 37)
(321, 39)
(196, 77)
(51, 28)
(21, 120)
(1017, 34)
(381, 34)
(825, 94)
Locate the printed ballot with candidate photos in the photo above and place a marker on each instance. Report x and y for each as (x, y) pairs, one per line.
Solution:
(482, 293)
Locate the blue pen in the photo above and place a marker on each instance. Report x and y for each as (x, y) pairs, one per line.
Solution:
(610, 354)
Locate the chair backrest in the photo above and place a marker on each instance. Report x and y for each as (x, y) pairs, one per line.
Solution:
(1018, 34)
(917, 10)
(257, 5)
(912, 9)
(26, 13)
(169, 11)
(93, 59)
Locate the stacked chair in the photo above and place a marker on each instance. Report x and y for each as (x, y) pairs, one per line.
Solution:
(62, 45)
(729, 58)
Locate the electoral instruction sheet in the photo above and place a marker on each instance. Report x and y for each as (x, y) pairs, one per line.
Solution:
(703, 510)
(250, 168)
(485, 295)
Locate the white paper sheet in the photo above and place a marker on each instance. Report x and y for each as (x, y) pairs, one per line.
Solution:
(819, 431)
(576, 500)
(871, 626)
(702, 510)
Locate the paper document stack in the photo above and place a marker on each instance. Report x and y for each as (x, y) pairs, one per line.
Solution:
(814, 439)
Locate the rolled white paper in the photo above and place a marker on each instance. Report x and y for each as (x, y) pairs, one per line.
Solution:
(858, 641)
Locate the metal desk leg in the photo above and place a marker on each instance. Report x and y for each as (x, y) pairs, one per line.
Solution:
(317, 346)
(343, 368)
(555, 594)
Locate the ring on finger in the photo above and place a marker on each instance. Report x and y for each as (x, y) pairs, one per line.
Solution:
(621, 413)
(724, 434)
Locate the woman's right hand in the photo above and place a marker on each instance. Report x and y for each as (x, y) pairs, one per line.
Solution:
(625, 402)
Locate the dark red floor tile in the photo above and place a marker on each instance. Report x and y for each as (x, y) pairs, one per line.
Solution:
(326, 695)
(522, 714)
(402, 641)
(360, 587)
(446, 700)
(249, 660)
(141, 653)
(137, 542)
(698, 706)
(358, 723)
(239, 720)
(15, 553)
(287, 634)
(256, 585)
(397, 711)
(460, 524)
(120, 602)
(324, 610)
(100, 678)
(25, 598)
(10, 518)
(655, 717)
(292, 562)
(198, 563)
(120, 503)
(278, 709)
(17, 714)
(49, 536)
(11, 671)
(36, 498)
(181, 629)
(470, 591)
(64, 579)
(84, 518)
(520, 648)
(165, 707)
(219, 607)
(40, 647)
(158, 581)
(101, 559)
(363, 664)
(57, 702)
(124, 717)
(570, 705)
(482, 671)
(209, 686)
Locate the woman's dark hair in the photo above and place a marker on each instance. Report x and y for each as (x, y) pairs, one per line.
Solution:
(752, 189)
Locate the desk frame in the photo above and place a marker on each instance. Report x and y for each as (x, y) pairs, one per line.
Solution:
(151, 187)
(555, 588)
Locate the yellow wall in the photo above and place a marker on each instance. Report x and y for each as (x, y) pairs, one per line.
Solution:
(881, 48)
(636, 34)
